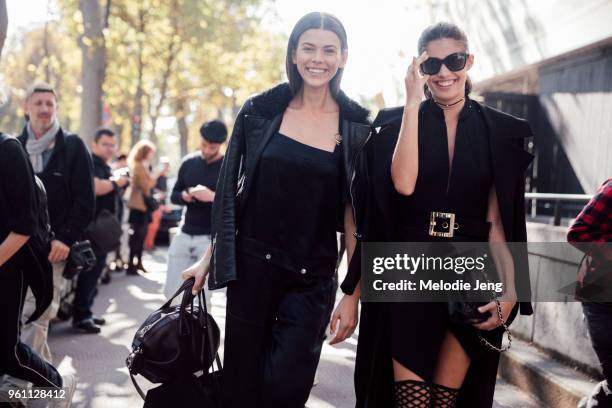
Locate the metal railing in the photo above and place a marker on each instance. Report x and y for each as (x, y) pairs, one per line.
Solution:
(556, 199)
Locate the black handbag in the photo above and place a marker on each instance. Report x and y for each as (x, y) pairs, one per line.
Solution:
(173, 344)
(150, 202)
(81, 259)
(105, 232)
(463, 306)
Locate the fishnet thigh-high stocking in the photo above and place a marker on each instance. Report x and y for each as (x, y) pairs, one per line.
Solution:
(443, 397)
(412, 394)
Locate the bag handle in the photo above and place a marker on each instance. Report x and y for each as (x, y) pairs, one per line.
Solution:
(188, 299)
(185, 285)
(506, 331)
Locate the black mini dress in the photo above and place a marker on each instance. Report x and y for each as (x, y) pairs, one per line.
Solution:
(416, 330)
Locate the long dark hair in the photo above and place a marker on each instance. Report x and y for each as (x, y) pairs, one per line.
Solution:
(310, 21)
(439, 31)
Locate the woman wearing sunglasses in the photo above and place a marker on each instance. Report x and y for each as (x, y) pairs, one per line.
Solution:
(456, 174)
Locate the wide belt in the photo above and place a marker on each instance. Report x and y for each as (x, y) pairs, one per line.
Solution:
(448, 225)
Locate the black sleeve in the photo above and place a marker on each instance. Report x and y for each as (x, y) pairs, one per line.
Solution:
(83, 201)
(176, 196)
(353, 273)
(17, 183)
(223, 215)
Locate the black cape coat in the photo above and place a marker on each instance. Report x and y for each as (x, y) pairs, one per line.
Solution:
(373, 369)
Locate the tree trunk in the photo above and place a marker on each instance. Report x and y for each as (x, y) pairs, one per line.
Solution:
(3, 24)
(173, 50)
(137, 116)
(93, 68)
(181, 120)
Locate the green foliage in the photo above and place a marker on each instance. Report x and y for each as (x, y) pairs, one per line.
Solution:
(222, 54)
(42, 54)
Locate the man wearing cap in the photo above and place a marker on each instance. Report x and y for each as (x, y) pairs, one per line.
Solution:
(194, 188)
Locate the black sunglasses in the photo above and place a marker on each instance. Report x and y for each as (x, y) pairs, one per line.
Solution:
(454, 62)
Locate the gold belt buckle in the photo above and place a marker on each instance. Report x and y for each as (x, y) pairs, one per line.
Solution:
(448, 224)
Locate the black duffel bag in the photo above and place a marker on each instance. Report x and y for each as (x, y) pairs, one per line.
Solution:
(171, 346)
(105, 232)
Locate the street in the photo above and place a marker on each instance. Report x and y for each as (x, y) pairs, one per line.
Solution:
(99, 360)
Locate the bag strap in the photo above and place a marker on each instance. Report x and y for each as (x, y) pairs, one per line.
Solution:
(187, 284)
(142, 394)
(506, 330)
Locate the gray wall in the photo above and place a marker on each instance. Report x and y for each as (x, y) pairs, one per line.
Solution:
(576, 96)
(557, 327)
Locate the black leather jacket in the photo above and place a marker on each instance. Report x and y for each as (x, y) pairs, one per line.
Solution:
(259, 118)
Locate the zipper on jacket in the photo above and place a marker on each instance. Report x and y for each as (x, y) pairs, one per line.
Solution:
(357, 235)
(212, 271)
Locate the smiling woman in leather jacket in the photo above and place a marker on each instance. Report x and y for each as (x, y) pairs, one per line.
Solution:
(285, 188)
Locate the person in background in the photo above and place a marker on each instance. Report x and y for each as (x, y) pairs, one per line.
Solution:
(143, 181)
(107, 188)
(591, 232)
(120, 168)
(160, 192)
(63, 164)
(194, 188)
(17, 224)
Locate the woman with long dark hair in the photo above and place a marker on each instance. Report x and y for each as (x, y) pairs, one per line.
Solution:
(446, 169)
(284, 191)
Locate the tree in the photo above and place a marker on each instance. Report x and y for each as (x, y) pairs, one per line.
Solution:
(3, 24)
(174, 47)
(93, 65)
(27, 61)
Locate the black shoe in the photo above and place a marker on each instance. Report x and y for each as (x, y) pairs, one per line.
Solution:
(100, 321)
(106, 277)
(131, 271)
(140, 267)
(86, 326)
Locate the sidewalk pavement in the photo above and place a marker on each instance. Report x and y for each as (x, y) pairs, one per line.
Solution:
(99, 360)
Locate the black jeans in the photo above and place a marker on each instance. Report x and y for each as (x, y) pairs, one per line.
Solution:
(86, 290)
(274, 330)
(139, 222)
(16, 358)
(599, 323)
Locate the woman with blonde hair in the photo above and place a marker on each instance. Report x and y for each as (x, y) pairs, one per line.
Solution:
(143, 180)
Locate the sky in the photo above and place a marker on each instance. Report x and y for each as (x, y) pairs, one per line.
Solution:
(378, 57)
(382, 39)
(382, 34)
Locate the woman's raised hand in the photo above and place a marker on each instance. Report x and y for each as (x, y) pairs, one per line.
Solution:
(415, 81)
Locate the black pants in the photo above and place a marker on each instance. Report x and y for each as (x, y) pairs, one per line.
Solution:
(139, 222)
(274, 330)
(16, 358)
(86, 290)
(599, 323)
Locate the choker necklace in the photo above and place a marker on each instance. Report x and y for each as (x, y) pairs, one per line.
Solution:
(450, 105)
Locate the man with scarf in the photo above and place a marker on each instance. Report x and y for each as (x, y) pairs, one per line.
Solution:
(64, 165)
